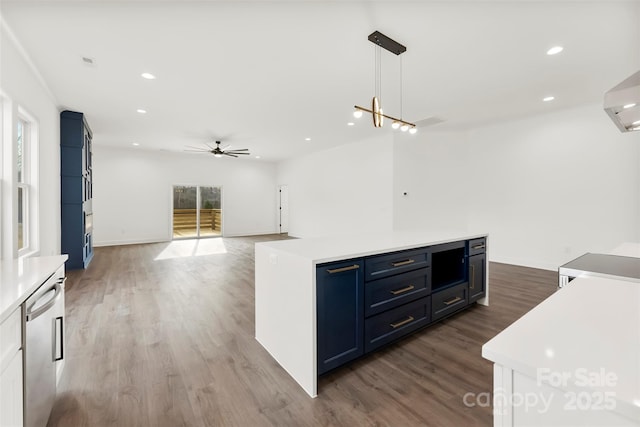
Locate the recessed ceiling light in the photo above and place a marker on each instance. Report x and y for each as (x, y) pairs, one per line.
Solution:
(148, 76)
(629, 106)
(357, 114)
(555, 50)
(141, 111)
(257, 157)
(307, 139)
(135, 144)
(548, 98)
(350, 124)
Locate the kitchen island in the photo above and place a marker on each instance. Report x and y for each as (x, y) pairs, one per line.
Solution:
(575, 358)
(322, 302)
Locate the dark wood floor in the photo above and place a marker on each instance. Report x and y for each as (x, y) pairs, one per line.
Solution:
(160, 341)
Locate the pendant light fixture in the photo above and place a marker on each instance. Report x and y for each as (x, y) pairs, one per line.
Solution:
(381, 41)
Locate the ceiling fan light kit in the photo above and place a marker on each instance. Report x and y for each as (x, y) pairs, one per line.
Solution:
(377, 115)
(219, 152)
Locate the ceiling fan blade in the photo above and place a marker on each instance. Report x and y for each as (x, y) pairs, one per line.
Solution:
(234, 152)
(198, 151)
(240, 149)
(225, 147)
(208, 145)
(228, 154)
(196, 148)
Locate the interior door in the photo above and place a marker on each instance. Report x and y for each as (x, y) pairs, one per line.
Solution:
(283, 208)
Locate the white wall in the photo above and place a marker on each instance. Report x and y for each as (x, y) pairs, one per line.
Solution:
(22, 85)
(555, 186)
(546, 188)
(132, 193)
(432, 168)
(347, 189)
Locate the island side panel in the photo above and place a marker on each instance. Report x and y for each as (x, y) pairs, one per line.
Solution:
(285, 306)
(485, 300)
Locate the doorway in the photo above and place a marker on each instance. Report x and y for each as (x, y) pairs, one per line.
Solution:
(197, 211)
(283, 209)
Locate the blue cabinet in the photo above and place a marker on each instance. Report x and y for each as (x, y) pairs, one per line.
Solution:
(367, 303)
(76, 187)
(340, 306)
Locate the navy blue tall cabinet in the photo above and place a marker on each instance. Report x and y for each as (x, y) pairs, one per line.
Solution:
(76, 189)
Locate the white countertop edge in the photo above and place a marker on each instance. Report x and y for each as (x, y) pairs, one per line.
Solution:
(495, 350)
(19, 278)
(317, 249)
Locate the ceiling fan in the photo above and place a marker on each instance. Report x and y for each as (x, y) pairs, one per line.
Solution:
(219, 152)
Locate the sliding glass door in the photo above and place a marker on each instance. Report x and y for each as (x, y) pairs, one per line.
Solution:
(197, 211)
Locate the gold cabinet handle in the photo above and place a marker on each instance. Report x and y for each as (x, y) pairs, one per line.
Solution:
(403, 322)
(478, 246)
(456, 299)
(473, 277)
(403, 290)
(401, 263)
(341, 269)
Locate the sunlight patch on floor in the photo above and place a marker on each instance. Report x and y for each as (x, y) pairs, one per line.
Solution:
(192, 247)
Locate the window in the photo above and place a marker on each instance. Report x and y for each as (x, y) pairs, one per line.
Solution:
(19, 195)
(22, 185)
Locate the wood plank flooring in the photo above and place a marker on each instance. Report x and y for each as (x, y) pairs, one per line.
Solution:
(163, 337)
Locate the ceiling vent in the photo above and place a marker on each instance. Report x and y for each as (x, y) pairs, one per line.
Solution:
(622, 104)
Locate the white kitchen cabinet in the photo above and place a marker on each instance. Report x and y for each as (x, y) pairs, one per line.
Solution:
(11, 370)
(11, 393)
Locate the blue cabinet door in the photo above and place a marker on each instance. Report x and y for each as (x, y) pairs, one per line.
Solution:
(340, 313)
(477, 274)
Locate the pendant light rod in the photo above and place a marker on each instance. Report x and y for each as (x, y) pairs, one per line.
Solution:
(366, 110)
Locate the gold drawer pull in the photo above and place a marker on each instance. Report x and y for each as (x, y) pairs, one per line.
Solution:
(403, 322)
(456, 299)
(478, 246)
(403, 290)
(401, 263)
(340, 270)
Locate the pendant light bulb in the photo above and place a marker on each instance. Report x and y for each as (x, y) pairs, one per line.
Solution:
(395, 124)
(413, 130)
(357, 114)
(404, 128)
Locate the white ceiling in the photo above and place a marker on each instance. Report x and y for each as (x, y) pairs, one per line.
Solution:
(266, 75)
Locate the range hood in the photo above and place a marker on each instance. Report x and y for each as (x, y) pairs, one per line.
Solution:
(622, 104)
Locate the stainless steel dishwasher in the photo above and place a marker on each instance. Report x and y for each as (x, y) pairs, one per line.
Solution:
(43, 346)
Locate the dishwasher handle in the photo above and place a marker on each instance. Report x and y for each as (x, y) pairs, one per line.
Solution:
(31, 315)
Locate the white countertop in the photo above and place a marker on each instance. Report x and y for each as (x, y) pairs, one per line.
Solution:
(631, 249)
(592, 325)
(332, 248)
(19, 278)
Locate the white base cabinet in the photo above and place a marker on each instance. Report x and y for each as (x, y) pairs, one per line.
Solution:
(11, 393)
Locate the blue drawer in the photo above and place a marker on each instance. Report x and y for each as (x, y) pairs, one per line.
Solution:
(449, 300)
(396, 323)
(384, 294)
(477, 246)
(377, 267)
